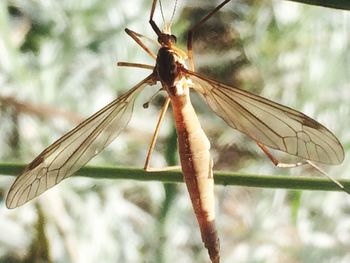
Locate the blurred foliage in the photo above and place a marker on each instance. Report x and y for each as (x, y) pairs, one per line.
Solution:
(39, 251)
(58, 65)
(170, 192)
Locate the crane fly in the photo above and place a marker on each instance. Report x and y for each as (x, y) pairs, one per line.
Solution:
(268, 123)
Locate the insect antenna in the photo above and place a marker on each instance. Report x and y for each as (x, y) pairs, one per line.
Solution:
(161, 10)
(167, 26)
(173, 14)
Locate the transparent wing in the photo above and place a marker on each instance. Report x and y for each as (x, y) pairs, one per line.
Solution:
(270, 123)
(75, 149)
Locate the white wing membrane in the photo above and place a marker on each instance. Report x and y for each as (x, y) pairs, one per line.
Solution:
(75, 149)
(270, 123)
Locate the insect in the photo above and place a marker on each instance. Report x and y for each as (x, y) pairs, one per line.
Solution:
(268, 123)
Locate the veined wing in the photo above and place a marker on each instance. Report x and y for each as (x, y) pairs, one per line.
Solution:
(68, 154)
(270, 123)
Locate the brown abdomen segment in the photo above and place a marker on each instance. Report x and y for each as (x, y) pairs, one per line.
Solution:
(197, 166)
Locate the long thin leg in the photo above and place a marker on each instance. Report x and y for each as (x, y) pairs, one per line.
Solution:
(143, 36)
(153, 142)
(342, 187)
(134, 65)
(276, 162)
(151, 21)
(136, 36)
(292, 165)
(195, 27)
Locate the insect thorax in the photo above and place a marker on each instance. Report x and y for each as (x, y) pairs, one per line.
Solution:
(168, 67)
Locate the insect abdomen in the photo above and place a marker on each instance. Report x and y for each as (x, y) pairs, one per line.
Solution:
(197, 165)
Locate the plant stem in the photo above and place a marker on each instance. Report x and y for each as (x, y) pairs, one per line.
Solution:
(221, 178)
(338, 4)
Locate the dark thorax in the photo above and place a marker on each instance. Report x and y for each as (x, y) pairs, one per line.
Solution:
(169, 64)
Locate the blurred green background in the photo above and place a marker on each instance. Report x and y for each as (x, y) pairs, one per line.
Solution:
(58, 66)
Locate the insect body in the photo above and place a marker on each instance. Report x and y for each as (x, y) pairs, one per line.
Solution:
(196, 163)
(268, 123)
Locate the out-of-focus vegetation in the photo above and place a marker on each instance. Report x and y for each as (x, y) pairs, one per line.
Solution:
(58, 65)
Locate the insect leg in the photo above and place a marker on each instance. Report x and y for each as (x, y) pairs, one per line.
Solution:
(342, 187)
(151, 21)
(136, 36)
(134, 65)
(276, 162)
(153, 142)
(195, 27)
(292, 165)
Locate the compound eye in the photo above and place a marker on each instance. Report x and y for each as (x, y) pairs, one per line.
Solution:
(173, 39)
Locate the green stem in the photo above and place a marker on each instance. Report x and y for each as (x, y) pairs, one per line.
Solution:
(221, 178)
(338, 4)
